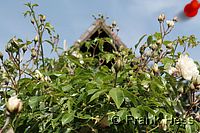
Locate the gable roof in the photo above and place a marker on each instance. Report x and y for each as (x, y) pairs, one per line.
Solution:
(100, 24)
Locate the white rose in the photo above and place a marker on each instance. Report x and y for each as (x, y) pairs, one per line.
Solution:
(187, 67)
(170, 23)
(14, 104)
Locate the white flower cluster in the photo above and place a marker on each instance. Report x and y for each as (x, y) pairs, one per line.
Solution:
(185, 67)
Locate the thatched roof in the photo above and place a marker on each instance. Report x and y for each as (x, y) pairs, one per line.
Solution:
(100, 24)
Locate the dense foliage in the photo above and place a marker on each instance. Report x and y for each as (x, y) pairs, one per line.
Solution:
(99, 92)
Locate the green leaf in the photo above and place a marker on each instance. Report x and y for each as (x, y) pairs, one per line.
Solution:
(117, 95)
(34, 102)
(157, 35)
(135, 112)
(27, 13)
(67, 118)
(166, 42)
(67, 88)
(74, 60)
(49, 28)
(167, 60)
(122, 114)
(34, 5)
(146, 108)
(149, 40)
(97, 94)
(188, 128)
(136, 45)
(131, 97)
(108, 57)
(92, 91)
(55, 122)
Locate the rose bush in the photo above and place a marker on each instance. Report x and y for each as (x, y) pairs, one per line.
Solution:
(99, 92)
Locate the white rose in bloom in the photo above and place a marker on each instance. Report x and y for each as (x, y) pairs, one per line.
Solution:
(170, 23)
(187, 67)
(14, 104)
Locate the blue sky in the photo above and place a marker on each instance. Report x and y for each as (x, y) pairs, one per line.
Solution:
(71, 18)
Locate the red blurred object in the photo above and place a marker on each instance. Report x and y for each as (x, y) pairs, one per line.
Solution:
(194, 4)
(192, 8)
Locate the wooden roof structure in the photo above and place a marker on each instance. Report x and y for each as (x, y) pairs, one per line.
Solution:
(100, 24)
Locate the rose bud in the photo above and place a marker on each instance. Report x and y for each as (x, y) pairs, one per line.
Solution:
(169, 45)
(159, 42)
(170, 23)
(32, 21)
(118, 65)
(33, 53)
(161, 17)
(43, 17)
(36, 39)
(14, 105)
(114, 24)
(24, 48)
(175, 19)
